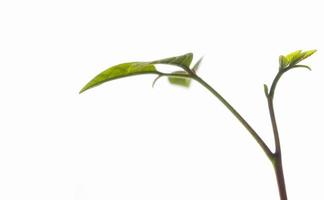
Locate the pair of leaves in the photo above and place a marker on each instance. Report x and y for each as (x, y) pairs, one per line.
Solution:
(291, 60)
(137, 68)
(286, 63)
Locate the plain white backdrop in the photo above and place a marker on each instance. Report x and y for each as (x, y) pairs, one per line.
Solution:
(126, 140)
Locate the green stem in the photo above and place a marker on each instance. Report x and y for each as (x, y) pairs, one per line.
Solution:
(274, 84)
(236, 114)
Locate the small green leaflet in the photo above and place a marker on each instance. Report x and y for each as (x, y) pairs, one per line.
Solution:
(178, 80)
(120, 71)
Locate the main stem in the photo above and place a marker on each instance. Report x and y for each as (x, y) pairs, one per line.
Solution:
(277, 159)
(277, 164)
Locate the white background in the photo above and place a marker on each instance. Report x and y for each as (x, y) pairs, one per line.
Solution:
(125, 140)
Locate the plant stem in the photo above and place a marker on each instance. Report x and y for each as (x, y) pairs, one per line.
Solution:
(235, 113)
(277, 160)
(277, 164)
(274, 125)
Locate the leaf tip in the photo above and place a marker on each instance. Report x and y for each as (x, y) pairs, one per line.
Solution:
(86, 87)
(309, 53)
(82, 90)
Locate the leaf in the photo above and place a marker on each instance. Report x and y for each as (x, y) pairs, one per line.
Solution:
(120, 71)
(136, 68)
(309, 53)
(182, 61)
(292, 59)
(178, 80)
(287, 63)
(185, 82)
(196, 66)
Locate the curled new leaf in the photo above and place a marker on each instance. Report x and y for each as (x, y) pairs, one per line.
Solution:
(120, 71)
(182, 61)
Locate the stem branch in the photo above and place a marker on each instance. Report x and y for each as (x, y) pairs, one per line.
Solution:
(236, 114)
(275, 158)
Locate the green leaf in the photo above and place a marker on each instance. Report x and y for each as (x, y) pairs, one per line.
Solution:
(196, 66)
(182, 61)
(120, 71)
(292, 59)
(178, 80)
(309, 53)
(287, 63)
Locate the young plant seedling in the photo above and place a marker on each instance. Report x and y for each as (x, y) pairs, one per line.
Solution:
(187, 73)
